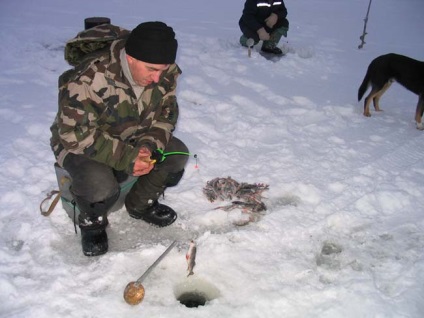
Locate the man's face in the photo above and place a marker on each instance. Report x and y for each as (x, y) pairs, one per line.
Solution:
(145, 73)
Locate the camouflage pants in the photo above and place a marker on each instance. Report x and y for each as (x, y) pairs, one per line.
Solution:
(94, 183)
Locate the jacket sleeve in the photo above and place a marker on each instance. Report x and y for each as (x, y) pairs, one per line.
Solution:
(249, 15)
(80, 108)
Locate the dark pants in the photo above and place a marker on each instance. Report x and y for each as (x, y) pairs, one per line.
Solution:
(250, 33)
(95, 186)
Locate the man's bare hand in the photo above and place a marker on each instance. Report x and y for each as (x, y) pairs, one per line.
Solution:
(143, 164)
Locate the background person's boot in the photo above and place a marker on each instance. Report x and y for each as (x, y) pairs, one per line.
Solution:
(270, 46)
(272, 49)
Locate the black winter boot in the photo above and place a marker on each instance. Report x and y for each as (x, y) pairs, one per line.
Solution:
(272, 50)
(142, 201)
(270, 46)
(94, 241)
(158, 214)
(93, 222)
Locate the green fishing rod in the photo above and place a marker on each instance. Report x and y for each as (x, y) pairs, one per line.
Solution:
(159, 155)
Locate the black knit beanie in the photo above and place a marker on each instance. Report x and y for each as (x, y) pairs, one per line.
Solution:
(152, 42)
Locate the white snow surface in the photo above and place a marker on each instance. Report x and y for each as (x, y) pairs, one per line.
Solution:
(343, 233)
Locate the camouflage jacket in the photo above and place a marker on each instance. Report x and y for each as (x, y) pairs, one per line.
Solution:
(99, 116)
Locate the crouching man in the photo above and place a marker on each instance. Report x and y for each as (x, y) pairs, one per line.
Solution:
(115, 109)
(264, 20)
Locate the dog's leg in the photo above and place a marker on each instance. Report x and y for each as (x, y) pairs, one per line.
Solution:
(368, 99)
(419, 112)
(376, 99)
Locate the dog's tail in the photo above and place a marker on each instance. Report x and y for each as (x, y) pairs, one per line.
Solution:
(364, 86)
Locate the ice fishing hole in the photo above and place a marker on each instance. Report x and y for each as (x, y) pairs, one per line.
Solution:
(192, 299)
(193, 292)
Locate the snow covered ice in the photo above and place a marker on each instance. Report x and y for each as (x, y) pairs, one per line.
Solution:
(343, 235)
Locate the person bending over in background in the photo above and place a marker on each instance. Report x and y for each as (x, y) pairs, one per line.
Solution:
(266, 21)
(115, 109)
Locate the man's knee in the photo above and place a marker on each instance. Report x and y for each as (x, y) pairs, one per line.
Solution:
(174, 163)
(91, 181)
(173, 178)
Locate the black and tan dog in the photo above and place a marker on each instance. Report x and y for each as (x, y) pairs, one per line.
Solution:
(386, 69)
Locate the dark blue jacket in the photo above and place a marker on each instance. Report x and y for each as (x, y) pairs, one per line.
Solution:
(256, 11)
